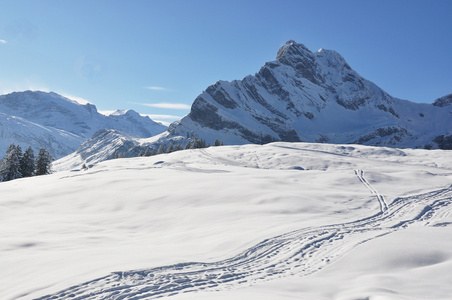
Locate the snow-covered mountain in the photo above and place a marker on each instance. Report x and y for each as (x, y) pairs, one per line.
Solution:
(301, 96)
(41, 119)
(313, 97)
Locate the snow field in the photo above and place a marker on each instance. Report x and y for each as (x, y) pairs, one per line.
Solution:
(259, 220)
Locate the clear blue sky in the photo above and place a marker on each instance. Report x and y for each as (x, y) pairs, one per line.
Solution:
(143, 55)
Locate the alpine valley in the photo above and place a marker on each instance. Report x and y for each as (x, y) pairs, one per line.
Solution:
(301, 96)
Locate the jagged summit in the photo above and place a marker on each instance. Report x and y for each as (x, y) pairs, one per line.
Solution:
(314, 97)
(299, 56)
(291, 48)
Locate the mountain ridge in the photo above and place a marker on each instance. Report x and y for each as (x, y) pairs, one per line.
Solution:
(312, 97)
(61, 125)
(302, 96)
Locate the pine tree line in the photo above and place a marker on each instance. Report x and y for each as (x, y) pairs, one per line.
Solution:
(16, 164)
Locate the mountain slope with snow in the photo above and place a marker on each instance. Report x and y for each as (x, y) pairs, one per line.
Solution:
(301, 96)
(312, 97)
(41, 119)
(278, 221)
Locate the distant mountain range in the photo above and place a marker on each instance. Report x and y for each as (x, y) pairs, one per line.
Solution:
(40, 119)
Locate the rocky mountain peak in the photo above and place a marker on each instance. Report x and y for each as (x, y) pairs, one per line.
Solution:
(443, 101)
(292, 48)
(308, 96)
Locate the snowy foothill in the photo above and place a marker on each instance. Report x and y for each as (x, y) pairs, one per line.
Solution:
(275, 221)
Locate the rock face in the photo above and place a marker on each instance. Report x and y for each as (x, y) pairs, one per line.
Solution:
(59, 124)
(445, 101)
(312, 97)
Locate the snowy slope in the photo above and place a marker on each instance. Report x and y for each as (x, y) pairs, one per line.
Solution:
(278, 221)
(16, 130)
(49, 120)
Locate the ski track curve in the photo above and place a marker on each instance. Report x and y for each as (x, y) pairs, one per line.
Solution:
(301, 252)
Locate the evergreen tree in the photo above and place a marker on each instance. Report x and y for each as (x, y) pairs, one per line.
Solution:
(27, 163)
(19, 152)
(197, 143)
(170, 148)
(161, 149)
(43, 162)
(10, 168)
(218, 143)
(193, 143)
(178, 147)
(148, 152)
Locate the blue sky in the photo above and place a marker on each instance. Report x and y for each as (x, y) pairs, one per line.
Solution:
(156, 56)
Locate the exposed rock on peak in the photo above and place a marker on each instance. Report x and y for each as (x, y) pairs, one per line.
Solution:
(443, 101)
(291, 48)
(306, 96)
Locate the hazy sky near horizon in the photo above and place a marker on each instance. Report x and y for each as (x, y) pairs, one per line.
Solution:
(156, 56)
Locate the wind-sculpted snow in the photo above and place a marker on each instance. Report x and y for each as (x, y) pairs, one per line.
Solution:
(301, 252)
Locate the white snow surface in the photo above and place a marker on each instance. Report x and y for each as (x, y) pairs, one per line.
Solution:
(275, 221)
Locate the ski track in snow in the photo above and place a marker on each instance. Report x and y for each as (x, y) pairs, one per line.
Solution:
(301, 252)
(380, 198)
